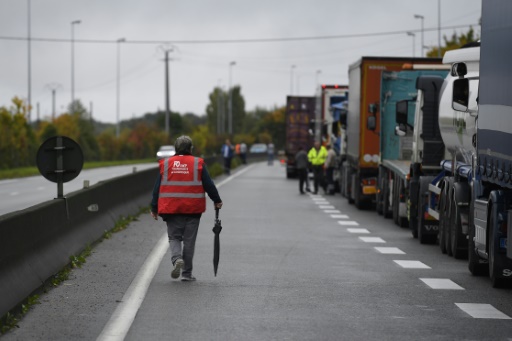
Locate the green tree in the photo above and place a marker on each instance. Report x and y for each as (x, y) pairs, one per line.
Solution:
(218, 107)
(455, 42)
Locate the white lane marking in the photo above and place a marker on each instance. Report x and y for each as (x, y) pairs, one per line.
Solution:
(317, 198)
(441, 283)
(348, 223)
(482, 311)
(332, 211)
(364, 231)
(390, 250)
(122, 318)
(372, 239)
(14, 193)
(120, 322)
(339, 216)
(412, 264)
(326, 207)
(322, 203)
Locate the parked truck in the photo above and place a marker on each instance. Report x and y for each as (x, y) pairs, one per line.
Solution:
(330, 122)
(415, 93)
(472, 197)
(299, 129)
(358, 174)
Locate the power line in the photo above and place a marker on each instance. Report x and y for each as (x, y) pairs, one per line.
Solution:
(234, 41)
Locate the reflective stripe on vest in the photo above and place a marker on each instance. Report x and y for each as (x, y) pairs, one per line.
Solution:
(181, 195)
(194, 182)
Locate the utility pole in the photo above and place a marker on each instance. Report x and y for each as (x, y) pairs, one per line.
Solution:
(230, 104)
(73, 23)
(166, 49)
(291, 80)
(439, 28)
(29, 66)
(53, 88)
(417, 16)
(119, 41)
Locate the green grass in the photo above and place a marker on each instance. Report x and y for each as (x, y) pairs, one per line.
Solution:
(31, 171)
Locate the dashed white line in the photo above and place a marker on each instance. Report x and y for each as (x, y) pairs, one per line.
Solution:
(372, 239)
(317, 198)
(348, 223)
(352, 230)
(322, 203)
(339, 216)
(326, 207)
(332, 211)
(482, 311)
(441, 283)
(412, 264)
(390, 250)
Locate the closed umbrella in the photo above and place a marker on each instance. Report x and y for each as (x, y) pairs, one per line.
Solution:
(216, 242)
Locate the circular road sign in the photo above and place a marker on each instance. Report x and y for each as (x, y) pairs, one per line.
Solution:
(60, 159)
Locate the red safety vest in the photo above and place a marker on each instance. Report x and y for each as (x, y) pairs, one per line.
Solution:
(181, 187)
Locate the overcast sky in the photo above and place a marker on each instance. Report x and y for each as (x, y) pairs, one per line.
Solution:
(263, 69)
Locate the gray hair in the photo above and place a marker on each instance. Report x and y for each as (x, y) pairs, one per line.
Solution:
(183, 144)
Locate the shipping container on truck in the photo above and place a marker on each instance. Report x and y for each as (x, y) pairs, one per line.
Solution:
(472, 197)
(299, 129)
(358, 174)
(397, 146)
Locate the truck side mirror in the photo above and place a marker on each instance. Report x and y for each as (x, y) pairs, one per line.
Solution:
(371, 123)
(460, 94)
(459, 70)
(402, 111)
(401, 130)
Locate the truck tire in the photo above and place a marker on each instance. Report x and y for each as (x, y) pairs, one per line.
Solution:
(413, 211)
(385, 208)
(475, 266)
(457, 238)
(440, 233)
(447, 218)
(420, 229)
(379, 202)
(395, 200)
(350, 184)
(402, 221)
(497, 282)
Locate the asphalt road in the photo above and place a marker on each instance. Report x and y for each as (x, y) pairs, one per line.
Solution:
(18, 194)
(292, 267)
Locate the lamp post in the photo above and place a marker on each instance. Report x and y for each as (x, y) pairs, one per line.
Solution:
(291, 79)
(73, 23)
(417, 16)
(230, 104)
(413, 43)
(29, 99)
(439, 28)
(119, 41)
(318, 72)
(53, 87)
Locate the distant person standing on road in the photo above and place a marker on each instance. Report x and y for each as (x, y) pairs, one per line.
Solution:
(330, 163)
(243, 153)
(270, 153)
(227, 151)
(179, 198)
(301, 162)
(317, 156)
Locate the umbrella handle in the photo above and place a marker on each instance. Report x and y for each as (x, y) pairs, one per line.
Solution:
(216, 213)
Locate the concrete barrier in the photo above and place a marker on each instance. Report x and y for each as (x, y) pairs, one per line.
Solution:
(37, 242)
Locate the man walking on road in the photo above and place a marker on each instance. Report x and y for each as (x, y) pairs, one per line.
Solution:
(179, 198)
(317, 156)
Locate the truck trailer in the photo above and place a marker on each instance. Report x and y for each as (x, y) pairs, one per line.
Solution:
(299, 128)
(473, 194)
(399, 147)
(358, 174)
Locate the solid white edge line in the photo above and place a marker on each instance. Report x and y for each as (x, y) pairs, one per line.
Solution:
(121, 320)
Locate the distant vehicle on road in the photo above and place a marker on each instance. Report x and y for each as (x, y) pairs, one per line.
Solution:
(165, 151)
(258, 148)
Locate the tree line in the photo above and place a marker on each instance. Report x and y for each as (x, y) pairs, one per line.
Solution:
(141, 137)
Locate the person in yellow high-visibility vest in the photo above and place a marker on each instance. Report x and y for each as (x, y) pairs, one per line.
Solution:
(316, 157)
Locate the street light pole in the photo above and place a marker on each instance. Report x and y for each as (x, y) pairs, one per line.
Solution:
(417, 16)
(29, 99)
(439, 28)
(413, 43)
(318, 72)
(73, 23)
(119, 41)
(291, 80)
(53, 87)
(230, 104)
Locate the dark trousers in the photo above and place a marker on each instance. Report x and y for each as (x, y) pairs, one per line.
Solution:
(303, 176)
(227, 165)
(318, 173)
(329, 172)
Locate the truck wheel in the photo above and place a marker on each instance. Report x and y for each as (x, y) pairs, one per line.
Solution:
(385, 208)
(413, 213)
(395, 201)
(420, 228)
(457, 238)
(474, 264)
(493, 267)
(447, 219)
(440, 233)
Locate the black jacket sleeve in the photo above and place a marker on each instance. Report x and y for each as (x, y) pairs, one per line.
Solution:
(209, 186)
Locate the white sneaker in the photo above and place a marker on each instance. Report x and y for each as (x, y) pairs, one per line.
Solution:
(176, 270)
